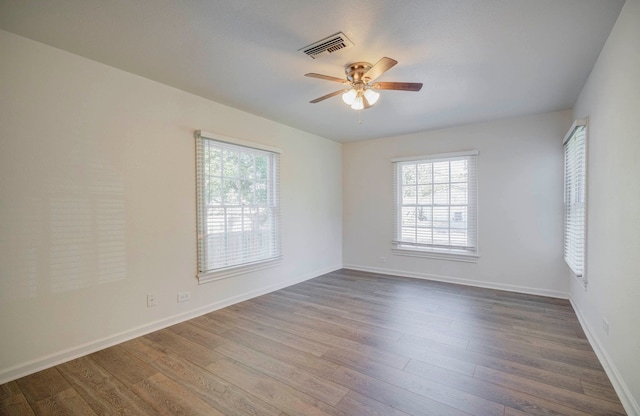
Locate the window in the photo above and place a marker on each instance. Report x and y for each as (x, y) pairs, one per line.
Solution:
(238, 207)
(435, 206)
(575, 207)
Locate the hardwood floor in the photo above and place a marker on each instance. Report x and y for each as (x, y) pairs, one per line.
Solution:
(346, 343)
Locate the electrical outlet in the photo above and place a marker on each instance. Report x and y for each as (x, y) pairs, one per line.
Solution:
(152, 299)
(382, 259)
(184, 296)
(605, 325)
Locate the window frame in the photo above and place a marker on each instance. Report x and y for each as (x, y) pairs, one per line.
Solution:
(571, 236)
(446, 252)
(204, 274)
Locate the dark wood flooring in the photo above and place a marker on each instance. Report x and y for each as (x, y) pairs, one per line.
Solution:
(346, 343)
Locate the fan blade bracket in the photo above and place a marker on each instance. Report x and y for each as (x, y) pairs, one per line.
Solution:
(380, 67)
(327, 78)
(398, 86)
(324, 97)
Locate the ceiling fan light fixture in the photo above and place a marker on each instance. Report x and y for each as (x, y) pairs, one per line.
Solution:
(371, 96)
(349, 96)
(358, 103)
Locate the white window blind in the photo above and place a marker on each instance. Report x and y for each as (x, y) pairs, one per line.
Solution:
(238, 207)
(575, 152)
(435, 206)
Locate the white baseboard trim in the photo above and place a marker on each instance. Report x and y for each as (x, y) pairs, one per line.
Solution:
(628, 401)
(461, 281)
(42, 363)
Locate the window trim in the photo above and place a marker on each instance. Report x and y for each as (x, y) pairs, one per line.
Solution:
(435, 252)
(223, 273)
(582, 122)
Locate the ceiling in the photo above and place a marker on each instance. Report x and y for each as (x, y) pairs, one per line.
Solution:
(479, 60)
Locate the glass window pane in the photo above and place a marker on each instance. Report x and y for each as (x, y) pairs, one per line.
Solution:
(408, 217)
(245, 161)
(262, 167)
(440, 237)
(261, 193)
(424, 217)
(441, 195)
(230, 163)
(234, 220)
(459, 238)
(231, 192)
(425, 194)
(425, 235)
(215, 220)
(458, 217)
(409, 195)
(408, 235)
(441, 217)
(246, 192)
(424, 173)
(213, 161)
(213, 190)
(458, 194)
(409, 174)
(441, 172)
(459, 171)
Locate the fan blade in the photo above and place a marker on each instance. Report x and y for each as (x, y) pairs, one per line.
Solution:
(324, 97)
(327, 77)
(399, 86)
(382, 66)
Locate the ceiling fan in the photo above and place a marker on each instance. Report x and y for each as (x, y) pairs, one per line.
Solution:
(360, 89)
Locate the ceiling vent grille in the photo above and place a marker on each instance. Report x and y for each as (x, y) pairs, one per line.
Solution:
(327, 46)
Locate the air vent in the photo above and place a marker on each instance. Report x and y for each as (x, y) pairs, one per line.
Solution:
(327, 46)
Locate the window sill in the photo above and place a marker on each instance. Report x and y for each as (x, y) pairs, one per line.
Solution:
(440, 254)
(237, 270)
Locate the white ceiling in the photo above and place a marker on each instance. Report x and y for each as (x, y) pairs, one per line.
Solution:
(478, 59)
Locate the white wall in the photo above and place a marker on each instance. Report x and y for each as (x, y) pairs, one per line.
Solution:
(97, 208)
(520, 204)
(611, 99)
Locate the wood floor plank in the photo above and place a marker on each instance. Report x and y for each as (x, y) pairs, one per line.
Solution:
(170, 398)
(346, 343)
(9, 389)
(308, 330)
(540, 369)
(43, 384)
(308, 362)
(278, 394)
(212, 325)
(15, 405)
(105, 394)
(144, 349)
(439, 392)
(216, 392)
(562, 396)
(273, 332)
(198, 335)
(500, 394)
(65, 402)
(188, 349)
(308, 383)
(355, 404)
(392, 395)
(122, 365)
(599, 391)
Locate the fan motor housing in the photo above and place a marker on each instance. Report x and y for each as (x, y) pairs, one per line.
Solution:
(356, 70)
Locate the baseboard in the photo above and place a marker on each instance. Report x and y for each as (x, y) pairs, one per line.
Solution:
(42, 363)
(461, 281)
(628, 401)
